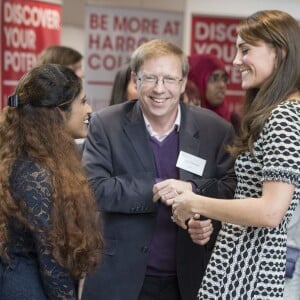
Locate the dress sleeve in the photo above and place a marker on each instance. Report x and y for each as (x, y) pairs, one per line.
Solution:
(281, 144)
(32, 187)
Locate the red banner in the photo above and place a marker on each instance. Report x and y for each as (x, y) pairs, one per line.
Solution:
(27, 27)
(215, 35)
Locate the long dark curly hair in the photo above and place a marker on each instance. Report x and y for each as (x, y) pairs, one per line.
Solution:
(36, 128)
(282, 32)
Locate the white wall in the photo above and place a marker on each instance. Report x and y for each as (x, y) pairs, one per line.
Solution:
(73, 13)
(73, 36)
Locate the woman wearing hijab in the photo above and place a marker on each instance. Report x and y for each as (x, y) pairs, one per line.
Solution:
(211, 78)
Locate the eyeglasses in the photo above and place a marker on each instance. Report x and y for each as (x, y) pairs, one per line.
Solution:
(218, 77)
(152, 80)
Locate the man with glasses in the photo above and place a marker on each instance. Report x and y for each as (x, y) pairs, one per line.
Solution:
(135, 154)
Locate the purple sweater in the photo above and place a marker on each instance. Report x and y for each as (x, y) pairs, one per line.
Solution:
(162, 258)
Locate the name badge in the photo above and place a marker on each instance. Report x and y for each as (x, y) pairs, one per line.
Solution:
(191, 163)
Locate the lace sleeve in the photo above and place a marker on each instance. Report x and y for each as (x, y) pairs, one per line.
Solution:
(32, 187)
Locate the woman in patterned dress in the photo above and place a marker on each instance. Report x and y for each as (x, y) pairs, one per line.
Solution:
(49, 232)
(248, 261)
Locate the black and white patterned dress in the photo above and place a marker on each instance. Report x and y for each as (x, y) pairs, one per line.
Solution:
(249, 262)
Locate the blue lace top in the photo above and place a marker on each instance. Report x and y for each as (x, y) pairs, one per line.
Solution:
(29, 250)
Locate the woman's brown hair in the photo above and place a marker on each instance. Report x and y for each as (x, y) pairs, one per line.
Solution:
(60, 55)
(120, 85)
(281, 31)
(35, 128)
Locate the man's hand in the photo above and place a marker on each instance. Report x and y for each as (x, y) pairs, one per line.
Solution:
(200, 231)
(166, 190)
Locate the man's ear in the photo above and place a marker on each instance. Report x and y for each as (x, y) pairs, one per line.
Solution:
(183, 85)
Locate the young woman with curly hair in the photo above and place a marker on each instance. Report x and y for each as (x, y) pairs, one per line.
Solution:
(49, 228)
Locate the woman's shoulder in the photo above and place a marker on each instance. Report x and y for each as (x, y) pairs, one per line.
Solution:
(30, 185)
(27, 172)
(290, 102)
(287, 111)
(25, 166)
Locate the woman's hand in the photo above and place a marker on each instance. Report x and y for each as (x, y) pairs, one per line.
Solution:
(182, 208)
(166, 190)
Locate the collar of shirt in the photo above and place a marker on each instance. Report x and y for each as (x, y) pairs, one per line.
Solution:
(161, 137)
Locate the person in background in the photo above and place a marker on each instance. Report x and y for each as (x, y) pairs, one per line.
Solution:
(123, 86)
(62, 55)
(249, 258)
(209, 75)
(292, 274)
(132, 147)
(50, 236)
(191, 94)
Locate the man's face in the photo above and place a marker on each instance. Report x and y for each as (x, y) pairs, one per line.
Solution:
(159, 84)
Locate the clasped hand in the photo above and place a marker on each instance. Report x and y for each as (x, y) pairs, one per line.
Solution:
(182, 208)
(179, 194)
(182, 213)
(166, 191)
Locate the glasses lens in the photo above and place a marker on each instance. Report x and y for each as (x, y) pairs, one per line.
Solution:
(152, 80)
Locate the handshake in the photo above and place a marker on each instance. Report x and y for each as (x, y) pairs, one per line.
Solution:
(179, 195)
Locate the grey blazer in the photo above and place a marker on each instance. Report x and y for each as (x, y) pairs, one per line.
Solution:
(121, 169)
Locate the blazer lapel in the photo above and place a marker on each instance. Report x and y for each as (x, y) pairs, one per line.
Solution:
(136, 132)
(189, 141)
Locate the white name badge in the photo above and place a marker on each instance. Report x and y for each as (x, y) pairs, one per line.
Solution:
(191, 163)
